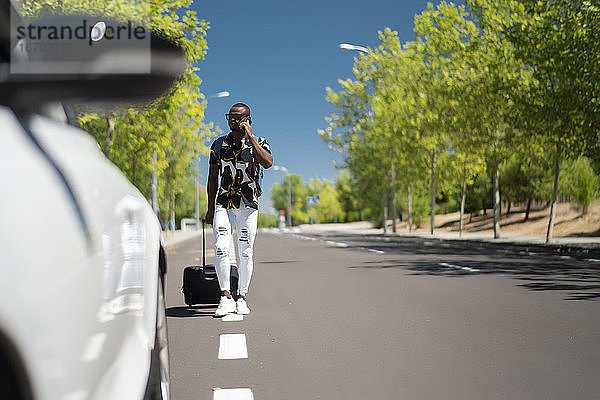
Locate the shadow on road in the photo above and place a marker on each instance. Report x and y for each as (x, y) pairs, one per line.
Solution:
(540, 268)
(191, 312)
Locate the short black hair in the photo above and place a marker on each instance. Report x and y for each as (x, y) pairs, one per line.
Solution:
(241, 105)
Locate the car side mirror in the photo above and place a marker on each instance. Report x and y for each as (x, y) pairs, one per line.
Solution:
(82, 59)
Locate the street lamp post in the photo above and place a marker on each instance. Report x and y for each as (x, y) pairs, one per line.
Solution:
(289, 207)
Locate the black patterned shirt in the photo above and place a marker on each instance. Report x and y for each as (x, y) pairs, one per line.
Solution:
(239, 170)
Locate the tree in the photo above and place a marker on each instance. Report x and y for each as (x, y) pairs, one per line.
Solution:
(449, 40)
(355, 131)
(478, 85)
(279, 197)
(172, 125)
(525, 177)
(497, 77)
(348, 200)
(397, 107)
(329, 207)
(479, 194)
(468, 166)
(581, 181)
(558, 42)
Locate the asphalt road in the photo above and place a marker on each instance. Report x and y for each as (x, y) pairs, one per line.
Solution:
(372, 317)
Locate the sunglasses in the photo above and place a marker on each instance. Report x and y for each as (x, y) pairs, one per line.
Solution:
(237, 117)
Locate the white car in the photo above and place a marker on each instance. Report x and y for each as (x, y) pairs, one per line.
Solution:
(81, 305)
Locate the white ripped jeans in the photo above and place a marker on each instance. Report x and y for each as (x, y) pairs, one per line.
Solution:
(245, 219)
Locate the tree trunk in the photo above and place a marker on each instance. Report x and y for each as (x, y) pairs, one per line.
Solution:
(554, 194)
(528, 209)
(508, 208)
(108, 139)
(410, 219)
(385, 209)
(167, 207)
(173, 208)
(496, 198)
(432, 211)
(393, 199)
(463, 195)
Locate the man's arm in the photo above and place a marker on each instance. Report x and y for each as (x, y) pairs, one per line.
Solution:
(211, 189)
(264, 158)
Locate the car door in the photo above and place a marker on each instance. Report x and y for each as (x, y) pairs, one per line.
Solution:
(121, 268)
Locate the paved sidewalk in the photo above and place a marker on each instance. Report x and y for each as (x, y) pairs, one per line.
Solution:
(171, 238)
(510, 237)
(367, 228)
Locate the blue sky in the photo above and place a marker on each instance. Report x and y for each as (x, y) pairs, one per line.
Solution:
(278, 57)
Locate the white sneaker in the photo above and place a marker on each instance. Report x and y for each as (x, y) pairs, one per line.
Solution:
(242, 307)
(226, 306)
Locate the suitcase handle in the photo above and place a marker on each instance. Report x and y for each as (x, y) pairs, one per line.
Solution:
(203, 247)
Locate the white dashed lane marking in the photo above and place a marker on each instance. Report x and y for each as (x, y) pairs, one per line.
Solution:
(233, 394)
(469, 269)
(232, 318)
(337, 244)
(527, 253)
(232, 346)
(373, 250)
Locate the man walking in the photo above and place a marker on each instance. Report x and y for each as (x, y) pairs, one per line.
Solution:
(233, 202)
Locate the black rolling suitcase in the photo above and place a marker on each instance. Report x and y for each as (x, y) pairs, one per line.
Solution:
(200, 283)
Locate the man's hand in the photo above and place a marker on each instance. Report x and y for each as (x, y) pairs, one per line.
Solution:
(245, 126)
(210, 214)
(264, 157)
